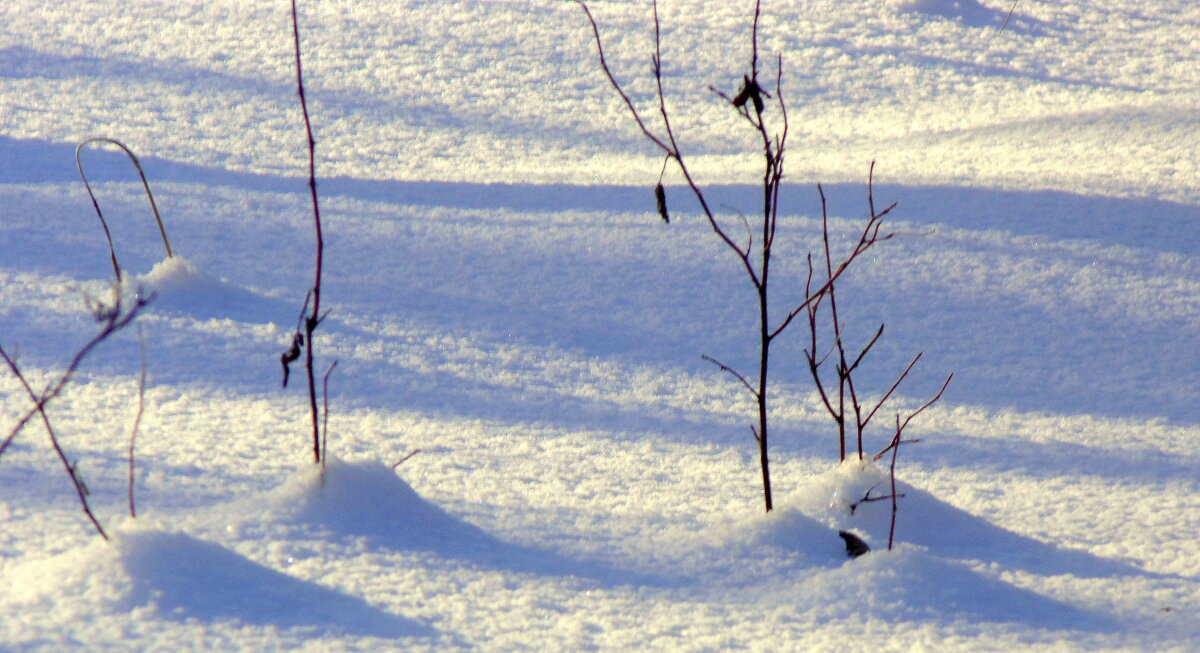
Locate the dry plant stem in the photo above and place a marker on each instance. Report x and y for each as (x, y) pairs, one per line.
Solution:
(137, 419)
(95, 204)
(867, 498)
(314, 318)
(113, 320)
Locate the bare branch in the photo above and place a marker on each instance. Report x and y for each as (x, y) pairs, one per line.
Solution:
(669, 146)
(314, 318)
(670, 151)
(113, 321)
(863, 353)
(867, 498)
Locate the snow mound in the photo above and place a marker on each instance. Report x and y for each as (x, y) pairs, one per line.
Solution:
(181, 286)
(910, 583)
(836, 500)
(368, 500)
(795, 532)
(180, 578)
(185, 577)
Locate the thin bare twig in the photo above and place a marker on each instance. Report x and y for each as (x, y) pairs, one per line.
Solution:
(137, 419)
(667, 144)
(325, 426)
(867, 498)
(113, 322)
(736, 375)
(70, 468)
(405, 459)
(892, 477)
(1009, 16)
(892, 389)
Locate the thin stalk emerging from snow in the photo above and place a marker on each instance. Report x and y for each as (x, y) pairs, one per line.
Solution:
(311, 319)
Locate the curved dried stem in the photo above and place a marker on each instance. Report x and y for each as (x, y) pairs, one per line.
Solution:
(162, 231)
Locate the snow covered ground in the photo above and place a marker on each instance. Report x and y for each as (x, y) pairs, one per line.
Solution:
(504, 299)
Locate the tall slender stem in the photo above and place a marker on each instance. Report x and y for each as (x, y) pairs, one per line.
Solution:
(314, 318)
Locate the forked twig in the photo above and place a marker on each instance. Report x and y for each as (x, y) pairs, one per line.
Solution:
(901, 426)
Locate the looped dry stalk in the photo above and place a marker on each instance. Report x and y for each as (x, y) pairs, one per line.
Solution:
(162, 231)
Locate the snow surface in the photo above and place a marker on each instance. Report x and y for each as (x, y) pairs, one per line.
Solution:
(504, 300)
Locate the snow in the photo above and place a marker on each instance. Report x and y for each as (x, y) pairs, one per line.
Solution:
(504, 300)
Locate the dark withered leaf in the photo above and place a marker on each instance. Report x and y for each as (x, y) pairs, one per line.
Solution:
(660, 196)
(855, 547)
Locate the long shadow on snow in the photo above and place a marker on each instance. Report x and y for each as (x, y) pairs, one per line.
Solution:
(1058, 459)
(973, 14)
(368, 499)
(190, 578)
(1143, 223)
(1033, 355)
(955, 533)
